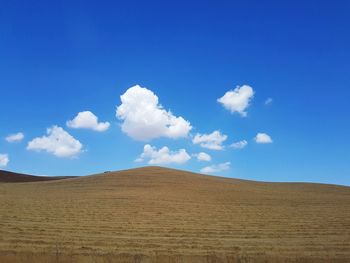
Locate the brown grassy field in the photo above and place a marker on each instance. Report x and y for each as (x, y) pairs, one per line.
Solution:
(161, 215)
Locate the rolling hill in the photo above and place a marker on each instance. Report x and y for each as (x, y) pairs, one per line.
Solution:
(10, 177)
(154, 214)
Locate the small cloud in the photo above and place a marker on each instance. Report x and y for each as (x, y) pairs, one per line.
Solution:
(263, 138)
(237, 100)
(216, 168)
(87, 120)
(163, 155)
(144, 119)
(212, 141)
(17, 137)
(268, 101)
(4, 160)
(239, 145)
(203, 157)
(57, 142)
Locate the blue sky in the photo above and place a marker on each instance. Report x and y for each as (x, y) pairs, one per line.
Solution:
(61, 58)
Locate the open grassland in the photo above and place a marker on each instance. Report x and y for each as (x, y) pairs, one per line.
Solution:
(161, 215)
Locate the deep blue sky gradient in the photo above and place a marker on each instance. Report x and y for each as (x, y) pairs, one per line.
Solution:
(58, 58)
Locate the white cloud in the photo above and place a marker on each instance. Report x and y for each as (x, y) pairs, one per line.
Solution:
(88, 120)
(239, 145)
(216, 168)
(263, 138)
(4, 160)
(268, 101)
(58, 142)
(237, 100)
(202, 156)
(163, 155)
(211, 141)
(17, 137)
(145, 119)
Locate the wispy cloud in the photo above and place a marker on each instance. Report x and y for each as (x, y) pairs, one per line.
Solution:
(268, 101)
(239, 145)
(216, 168)
(17, 137)
(4, 160)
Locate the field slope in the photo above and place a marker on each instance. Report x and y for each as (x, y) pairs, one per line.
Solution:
(155, 214)
(10, 177)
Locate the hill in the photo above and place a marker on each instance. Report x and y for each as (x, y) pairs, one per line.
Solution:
(10, 177)
(155, 214)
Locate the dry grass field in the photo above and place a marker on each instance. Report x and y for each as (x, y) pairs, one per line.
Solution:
(161, 215)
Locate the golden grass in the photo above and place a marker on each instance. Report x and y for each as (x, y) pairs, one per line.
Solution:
(161, 215)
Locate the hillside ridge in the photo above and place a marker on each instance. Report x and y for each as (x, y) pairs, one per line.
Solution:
(13, 177)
